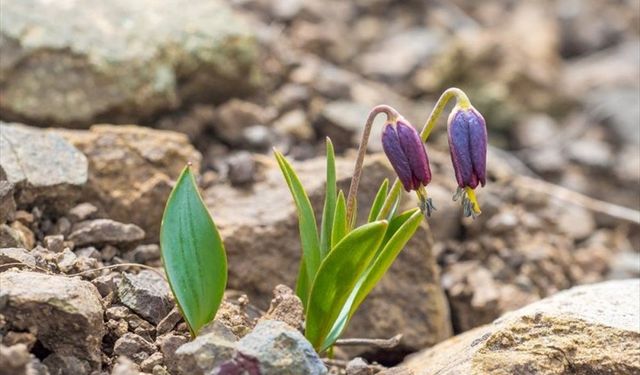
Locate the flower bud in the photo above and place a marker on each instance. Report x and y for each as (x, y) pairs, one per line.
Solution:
(468, 146)
(407, 155)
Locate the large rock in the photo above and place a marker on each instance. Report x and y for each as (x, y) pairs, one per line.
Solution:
(41, 165)
(132, 167)
(263, 234)
(147, 294)
(64, 313)
(591, 329)
(120, 59)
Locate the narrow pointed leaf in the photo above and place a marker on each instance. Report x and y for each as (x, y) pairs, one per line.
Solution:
(336, 278)
(302, 283)
(391, 201)
(306, 221)
(339, 228)
(193, 254)
(329, 202)
(378, 201)
(400, 230)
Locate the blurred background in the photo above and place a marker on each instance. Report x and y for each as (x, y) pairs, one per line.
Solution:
(557, 81)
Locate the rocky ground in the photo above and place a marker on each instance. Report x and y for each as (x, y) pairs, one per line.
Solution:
(219, 84)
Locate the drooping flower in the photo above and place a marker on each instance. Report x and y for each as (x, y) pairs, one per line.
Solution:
(468, 146)
(407, 154)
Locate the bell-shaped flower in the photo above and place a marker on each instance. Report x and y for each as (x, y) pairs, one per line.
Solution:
(407, 154)
(468, 146)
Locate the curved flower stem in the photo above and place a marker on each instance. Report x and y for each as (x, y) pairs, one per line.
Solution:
(461, 100)
(392, 115)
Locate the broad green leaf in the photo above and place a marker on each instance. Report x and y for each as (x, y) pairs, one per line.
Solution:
(329, 202)
(339, 228)
(192, 253)
(306, 221)
(336, 278)
(379, 200)
(399, 232)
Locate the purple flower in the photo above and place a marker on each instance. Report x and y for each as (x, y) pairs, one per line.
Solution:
(468, 146)
(407, 155)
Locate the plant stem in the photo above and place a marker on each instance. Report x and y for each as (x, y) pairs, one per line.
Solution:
(380, 343)
(461, 100)
(392, 115)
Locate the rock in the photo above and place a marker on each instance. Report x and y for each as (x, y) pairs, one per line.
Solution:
(576, 221)
(398, 55)
(66, 260)
(152, 361)
(280, 349)
(358, 366)
(64, 313)
(132, 167)
(144, 254)
(133, 347)
(65, 364)
(295, 124)
(616, 106)
(15, 359)
(125, 367)
(590, 152)
(83, 211)
(285, 307)
(54, 243)
(201, 355)
(235, 116)
(242, 168)
(41, 165)
(168, 344)
(7, 203)
(343, 122)
(26, 235)
(107, 283)
(122, 71)
(263, 234)
(16, 255)
(587, 329)
(233, 317)
(536, 131)
(168, 322)
(147, 294)
(104, 231)
(10, 237)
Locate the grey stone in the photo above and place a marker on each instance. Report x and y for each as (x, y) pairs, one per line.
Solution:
(66, 364)
(16, 255)
(143, 254)
(168, 322)
(133, 347)
(295, 124)
(151, 362)
(280, 349)
(235, 116)
(147, 294)
(202, 50)
(10, 237)
(64, 313)
(124, 366)
(343, 122)
(66, 260)
(41, 164)
(242, 168)
(168, 344)
(286, 307)
(54, 243)
(81, 212)
(590, 329)
(104, 231)
(14, 359)
(107, 283)
(590, 152)
(7, 203)
(201, 355)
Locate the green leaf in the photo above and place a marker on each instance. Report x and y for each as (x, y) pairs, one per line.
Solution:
(306, 222)
(192, 253)
(391, 201)
(302, 283)
(336, 278)
(339, 228)
(329, 202)
(378, 201)
(399, 232)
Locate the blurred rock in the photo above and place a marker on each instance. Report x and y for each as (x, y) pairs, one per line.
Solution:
(82, 212)
(64, 313)
(10, 237)
(66, 364)
(263, 234)
(147, 294)
(132, 167)
(201, 355)
(41, 165)
(127, 69)
(235, 116)
(535, 131)
(168, 345)
(104, 231)
(590, 152)
(15, 359)
(398, 55)
(280, 350)
(587, 329)
(619, 108)
(286, 307)
(7, 203)
(242, 168)
(295, 124)
(16, 255)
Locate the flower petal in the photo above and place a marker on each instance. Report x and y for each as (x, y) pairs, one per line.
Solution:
(415, 153)
(395, 154)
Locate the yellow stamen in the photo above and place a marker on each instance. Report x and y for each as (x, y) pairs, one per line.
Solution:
(471, 195)
(422, 193)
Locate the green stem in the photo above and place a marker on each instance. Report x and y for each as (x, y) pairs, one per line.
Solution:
(462, 101)
(392, 115)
